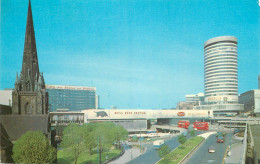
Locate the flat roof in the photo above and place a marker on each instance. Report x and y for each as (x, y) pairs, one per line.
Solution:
(220, 39)
(68, 87)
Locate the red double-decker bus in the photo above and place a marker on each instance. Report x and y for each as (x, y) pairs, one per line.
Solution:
(201, 125)
(183, 124)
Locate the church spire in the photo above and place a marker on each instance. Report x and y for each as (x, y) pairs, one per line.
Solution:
(30, 59)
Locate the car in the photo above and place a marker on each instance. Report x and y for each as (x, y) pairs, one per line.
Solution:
(220, 139)
(211, 149)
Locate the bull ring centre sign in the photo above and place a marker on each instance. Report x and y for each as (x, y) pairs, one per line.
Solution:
(144, 114)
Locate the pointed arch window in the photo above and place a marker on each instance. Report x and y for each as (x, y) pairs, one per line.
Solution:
(28, 108)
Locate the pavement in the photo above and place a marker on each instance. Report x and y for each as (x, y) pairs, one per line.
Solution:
(130, 153)
(256, 137)
(235, 155)
(133, 153)
(206, 135)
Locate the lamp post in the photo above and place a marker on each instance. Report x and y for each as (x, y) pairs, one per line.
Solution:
(230, 134)
(97, 149)
(169, 128)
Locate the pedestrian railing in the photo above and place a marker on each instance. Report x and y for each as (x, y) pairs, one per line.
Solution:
(244, 148)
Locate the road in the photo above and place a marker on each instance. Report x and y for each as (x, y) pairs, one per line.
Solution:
(201, 156)
(151, 156)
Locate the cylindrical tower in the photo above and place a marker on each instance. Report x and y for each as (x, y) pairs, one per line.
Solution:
(220, 70)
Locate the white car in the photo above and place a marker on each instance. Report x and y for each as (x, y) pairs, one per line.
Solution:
(211, 149)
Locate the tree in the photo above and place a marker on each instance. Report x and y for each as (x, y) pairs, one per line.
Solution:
(74, 138)
(33, 147)
(163, 151)
(90, 140)
(104, 136)
(181, 139)
(192, 133)
(119, 133)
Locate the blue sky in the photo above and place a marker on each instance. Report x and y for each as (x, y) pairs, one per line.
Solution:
(138, 54)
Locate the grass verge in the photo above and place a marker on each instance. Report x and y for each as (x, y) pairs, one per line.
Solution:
(65, 157)
(175, 156)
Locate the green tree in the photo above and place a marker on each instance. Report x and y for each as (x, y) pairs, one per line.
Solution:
(33, 147)
(104, 136)
(163, 151)
(119, 133)
(192, 133)
(181, 139)
(74, 137)
(90, 140)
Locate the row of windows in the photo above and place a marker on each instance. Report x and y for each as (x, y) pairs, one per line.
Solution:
(210, 70)
(224, 71)
(71, 104)
(64, 90)
(223, 94)
(71, 99)
(219, 91)
(221, 44)
(72, 94)
(216, 85)
(208, 67)
(217, 88)
(221, 60)
(216, 53)
(220, 57)
(216, 75)
(224, 77)
(226, 61)
(222, 81)
(232, 48)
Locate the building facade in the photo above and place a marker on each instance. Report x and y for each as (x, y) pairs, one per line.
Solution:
(185, 105)
(197, 99)
(251, 101)
(220, 70)
(6, 97)
(72, 98)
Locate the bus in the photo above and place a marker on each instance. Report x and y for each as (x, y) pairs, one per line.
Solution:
(157, 144)
(201, 125)
(183, 124)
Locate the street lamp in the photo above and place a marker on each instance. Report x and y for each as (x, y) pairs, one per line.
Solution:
(230, 134)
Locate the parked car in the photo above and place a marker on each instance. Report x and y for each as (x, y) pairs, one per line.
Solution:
(211, 149)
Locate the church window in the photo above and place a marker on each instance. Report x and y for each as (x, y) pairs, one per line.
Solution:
(28, 108)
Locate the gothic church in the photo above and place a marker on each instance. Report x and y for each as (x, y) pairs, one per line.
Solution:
(29, 96)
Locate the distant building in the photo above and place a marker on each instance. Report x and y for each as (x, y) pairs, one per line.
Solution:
(72, 98)
(251, 101)
(197, 99)
(220, 70)
(6, 97)
(185, 105)
(220, 76)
